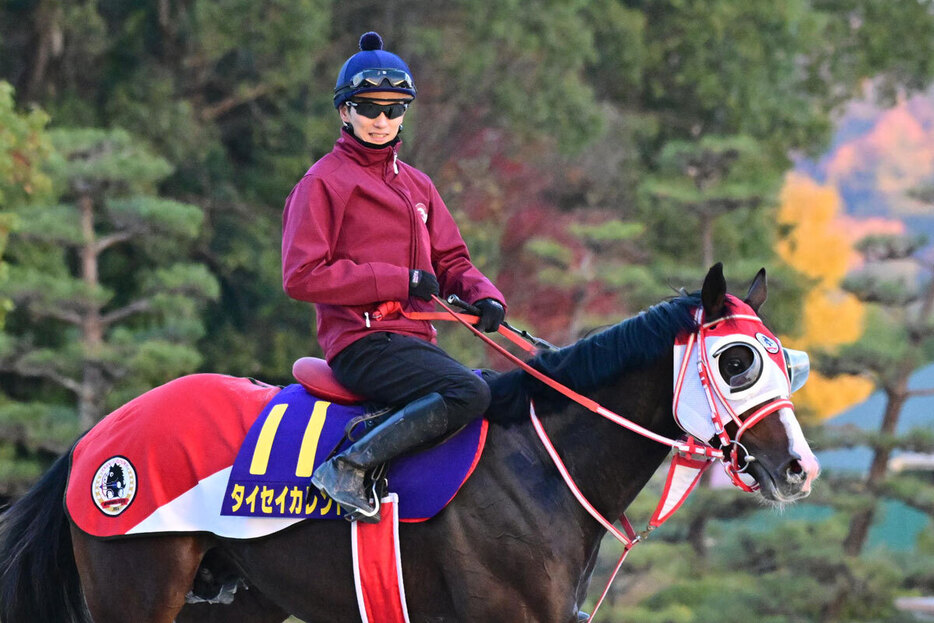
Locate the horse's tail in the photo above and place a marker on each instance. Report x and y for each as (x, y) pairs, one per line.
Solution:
(38, 576)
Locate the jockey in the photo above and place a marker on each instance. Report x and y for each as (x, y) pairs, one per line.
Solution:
(361, 228)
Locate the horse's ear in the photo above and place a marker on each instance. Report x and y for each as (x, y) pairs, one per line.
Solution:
(758, 291)
(713, 294)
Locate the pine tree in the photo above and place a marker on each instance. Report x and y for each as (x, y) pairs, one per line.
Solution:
(899, 339)
(103, 294)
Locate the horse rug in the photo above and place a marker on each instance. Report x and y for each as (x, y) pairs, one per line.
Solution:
(232, 456)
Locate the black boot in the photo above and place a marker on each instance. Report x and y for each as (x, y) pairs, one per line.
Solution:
(343, 476)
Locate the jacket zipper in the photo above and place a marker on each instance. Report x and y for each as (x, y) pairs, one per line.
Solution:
(413, 229)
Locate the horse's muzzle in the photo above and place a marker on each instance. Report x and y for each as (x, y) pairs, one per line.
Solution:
(787, 482)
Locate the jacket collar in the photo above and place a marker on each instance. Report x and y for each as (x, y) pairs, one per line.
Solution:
(365, 156)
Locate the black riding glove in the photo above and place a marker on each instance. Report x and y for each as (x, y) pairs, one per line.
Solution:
(491, 314)
(422, 284)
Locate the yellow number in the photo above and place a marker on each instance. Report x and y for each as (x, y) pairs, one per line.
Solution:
(266, 436)
(306, 456)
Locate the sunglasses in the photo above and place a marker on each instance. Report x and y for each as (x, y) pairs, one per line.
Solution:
(372, 110)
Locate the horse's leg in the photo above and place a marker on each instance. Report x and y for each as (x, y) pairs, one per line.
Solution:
(143, 579)
(306, 569)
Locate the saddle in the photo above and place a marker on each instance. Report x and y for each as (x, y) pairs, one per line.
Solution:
(316, 376)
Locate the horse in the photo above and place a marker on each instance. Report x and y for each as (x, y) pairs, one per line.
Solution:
(513, 545)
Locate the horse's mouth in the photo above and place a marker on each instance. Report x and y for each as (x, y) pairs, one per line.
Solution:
(790, 491)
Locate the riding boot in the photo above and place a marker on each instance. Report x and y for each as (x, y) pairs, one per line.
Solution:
(343, 476)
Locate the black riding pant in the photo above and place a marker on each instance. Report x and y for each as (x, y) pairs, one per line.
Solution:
(396, 369)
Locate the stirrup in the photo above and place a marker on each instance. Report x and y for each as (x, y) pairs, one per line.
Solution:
(358, 514)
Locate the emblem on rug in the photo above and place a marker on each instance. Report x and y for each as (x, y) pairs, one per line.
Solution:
(114, 486)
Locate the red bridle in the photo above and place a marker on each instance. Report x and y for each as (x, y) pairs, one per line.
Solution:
(712, 392)
(686, 448)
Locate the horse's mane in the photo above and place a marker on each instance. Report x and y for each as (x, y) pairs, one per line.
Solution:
(594, 360)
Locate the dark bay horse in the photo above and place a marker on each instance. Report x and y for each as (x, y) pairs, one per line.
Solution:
(514, 545)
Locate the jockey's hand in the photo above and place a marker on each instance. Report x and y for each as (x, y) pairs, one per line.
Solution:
(491, 314)
(422, 284)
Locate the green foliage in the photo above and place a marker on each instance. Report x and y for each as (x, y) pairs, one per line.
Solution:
(892, 42)
(605, 233)
(735, 68)
(89, 158)
(129, 312)
(592, 151)
(511, 49)
(24, 147)
(551, 251)
(717, 192)
(156, 214)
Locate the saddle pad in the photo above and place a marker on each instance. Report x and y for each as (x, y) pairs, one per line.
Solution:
(162, 462)
(165, 450)
(297, 431)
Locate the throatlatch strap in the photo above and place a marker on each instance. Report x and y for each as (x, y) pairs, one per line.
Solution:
(377, 566)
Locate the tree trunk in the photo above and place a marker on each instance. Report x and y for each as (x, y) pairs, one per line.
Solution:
(862, 520)
(587, 274)
(48, 45)
(90, 399)
(697, 536)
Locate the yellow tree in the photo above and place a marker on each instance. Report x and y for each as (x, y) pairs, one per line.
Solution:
(818, 246)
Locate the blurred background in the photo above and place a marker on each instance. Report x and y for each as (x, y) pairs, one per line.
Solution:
(597, 155)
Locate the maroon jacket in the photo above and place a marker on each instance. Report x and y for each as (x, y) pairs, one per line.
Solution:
(353, 226)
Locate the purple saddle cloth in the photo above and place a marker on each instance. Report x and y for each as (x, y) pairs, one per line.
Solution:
(296, 431)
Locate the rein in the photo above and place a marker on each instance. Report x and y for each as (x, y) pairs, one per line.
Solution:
(684, 446)
(684, 472)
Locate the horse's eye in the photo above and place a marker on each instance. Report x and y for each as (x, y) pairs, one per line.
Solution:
(740, 366)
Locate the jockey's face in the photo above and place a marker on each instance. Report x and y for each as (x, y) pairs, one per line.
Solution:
(380, 130)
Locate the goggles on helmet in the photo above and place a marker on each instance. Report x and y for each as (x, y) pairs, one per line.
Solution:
(371, 78)
(372, 110)
(798, 365)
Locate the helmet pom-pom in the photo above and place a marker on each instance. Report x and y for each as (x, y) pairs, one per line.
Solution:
(371, 41)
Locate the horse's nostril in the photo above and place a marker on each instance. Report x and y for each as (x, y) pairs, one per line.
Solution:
(795, 472)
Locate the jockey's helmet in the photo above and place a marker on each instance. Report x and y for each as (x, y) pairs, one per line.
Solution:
(372, 69)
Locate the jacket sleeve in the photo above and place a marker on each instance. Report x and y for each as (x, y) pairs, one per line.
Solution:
(311, 224)
(451, 260)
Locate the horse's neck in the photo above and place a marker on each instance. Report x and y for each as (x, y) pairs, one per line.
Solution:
(610, 464)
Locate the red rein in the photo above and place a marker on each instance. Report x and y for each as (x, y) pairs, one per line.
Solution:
(671, 498)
